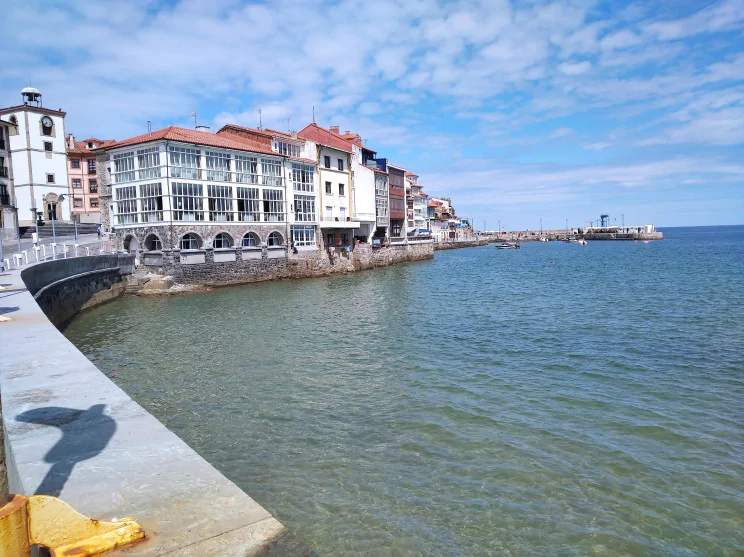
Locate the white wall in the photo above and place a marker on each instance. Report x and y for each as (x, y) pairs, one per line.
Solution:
(364, 188)
(336, 177)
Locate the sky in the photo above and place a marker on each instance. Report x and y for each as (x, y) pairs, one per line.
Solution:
(517, 111)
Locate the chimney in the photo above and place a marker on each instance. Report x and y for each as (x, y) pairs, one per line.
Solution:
(294, 135)
(347, 132)
(71, 141)
(334, 129)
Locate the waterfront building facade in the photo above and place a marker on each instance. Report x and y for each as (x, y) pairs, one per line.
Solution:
(39, 157)
(189, 191)
(397, 193)
(82, 171)
(363, 188)
(338, 228)
(302, 179)
(8, 212)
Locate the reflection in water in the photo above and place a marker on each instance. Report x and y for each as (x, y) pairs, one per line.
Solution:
(553, 399)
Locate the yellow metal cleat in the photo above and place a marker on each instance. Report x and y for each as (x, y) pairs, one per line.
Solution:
(52, 523)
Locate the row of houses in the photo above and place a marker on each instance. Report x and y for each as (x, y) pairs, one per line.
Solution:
(190, 189)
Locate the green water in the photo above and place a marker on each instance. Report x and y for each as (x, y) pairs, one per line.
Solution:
(555, 400)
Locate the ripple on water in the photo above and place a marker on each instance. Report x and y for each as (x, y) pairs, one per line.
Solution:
(550, 400)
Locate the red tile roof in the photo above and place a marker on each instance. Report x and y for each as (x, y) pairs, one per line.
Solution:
(184, 135)
(375, 169)
(411, 174)
(81, 147)
(433, 204)
(314, 132)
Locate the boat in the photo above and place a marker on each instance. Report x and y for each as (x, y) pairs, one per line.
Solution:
(581, 242)
(507, 245)
(543, 239)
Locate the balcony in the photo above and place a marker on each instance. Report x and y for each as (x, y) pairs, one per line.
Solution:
(364, 217)
(330, 222)
(3, 171)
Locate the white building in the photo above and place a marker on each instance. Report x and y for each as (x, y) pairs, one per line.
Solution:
(301, 169)
(333, 154)
(39, 159)
(7, 194)
(363, 201)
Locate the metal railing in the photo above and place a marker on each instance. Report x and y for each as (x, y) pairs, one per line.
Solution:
(65, 250)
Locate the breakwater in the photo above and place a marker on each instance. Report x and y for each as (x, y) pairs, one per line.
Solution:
(617, 233)
(71, 432)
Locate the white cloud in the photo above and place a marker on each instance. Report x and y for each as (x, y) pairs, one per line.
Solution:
(575, 69)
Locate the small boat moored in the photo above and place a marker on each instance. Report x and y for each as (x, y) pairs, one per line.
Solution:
(507, 245)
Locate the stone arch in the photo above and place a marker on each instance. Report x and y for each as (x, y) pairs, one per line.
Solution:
(52, 206)
(250, 240)
(153, 243)
(190, 239)
(275, 238)
(131, 243)
(223, 240)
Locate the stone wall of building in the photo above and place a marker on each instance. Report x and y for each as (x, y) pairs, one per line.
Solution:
(170, 235)
(104, 190)
(461, 244)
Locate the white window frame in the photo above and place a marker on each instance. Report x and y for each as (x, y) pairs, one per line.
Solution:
(191, 200)
(220, 203)
(303, 236)
(304, 208)
(151, 196)
(124, 167)
(126, 205)
(303, 177)
(248, 204)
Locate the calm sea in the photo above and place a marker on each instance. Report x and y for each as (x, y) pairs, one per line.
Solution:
(555, 400)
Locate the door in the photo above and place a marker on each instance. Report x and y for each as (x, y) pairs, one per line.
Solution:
(52, 210)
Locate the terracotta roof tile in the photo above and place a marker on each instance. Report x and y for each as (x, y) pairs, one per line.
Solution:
(184, 135)
(314, 132)
(81, 147)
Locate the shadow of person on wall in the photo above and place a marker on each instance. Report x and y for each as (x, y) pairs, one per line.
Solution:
(85, 433)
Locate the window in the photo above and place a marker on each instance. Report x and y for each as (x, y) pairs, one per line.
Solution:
(153, 243)
(76, 183)
(220, 203)
(77, 202)
(93, 186)
(50, 178)
(126, 205)
(250, 240)
(91, 166)
(272, 172)
(328, 213)
(340, 164)
(396, 228)
(94, 202)
(148, 161)
(124, 167)
(329, 239)
(341, 189)
(222, 241)
(273, 205)
(246, 169)
(329, 188)
(382, 209)
(287, 149)
(152, 202)
(275, 239)
(249, 205)
(380, 185)
(184, 162)
(74, 163)
(302, 177)
(327, 161)
(187, 201)
(304, 206)
(218, 166)
(303, 235)
(345, 238)
(48, 146)
(189, 241)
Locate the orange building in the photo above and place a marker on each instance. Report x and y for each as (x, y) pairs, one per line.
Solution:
(82, 171)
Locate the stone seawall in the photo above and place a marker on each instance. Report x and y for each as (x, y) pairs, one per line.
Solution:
(64, 287)
(460, 244)
(211, 267)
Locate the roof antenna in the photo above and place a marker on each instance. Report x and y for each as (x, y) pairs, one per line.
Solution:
(149, 127)
(193, 115)
(289, 128)
(260, 121)
(313, 115)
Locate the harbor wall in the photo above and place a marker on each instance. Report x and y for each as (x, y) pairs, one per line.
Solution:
(210, 267)
(461, 244)
(71, 432)
(64, 287)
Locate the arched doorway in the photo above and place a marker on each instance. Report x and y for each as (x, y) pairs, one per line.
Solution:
(131, 244)
(52, 210)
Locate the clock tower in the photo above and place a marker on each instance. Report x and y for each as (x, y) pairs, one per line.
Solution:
(39, 156)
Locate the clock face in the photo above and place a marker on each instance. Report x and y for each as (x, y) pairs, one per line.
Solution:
(46, 121)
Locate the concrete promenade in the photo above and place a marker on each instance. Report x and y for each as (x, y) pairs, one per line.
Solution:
(71, 432)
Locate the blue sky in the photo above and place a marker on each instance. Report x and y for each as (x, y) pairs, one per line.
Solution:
(518, 111)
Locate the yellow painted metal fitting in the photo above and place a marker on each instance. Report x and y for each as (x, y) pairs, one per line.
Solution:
(52, 523)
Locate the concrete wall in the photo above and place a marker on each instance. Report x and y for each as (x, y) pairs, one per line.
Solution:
(71, 432)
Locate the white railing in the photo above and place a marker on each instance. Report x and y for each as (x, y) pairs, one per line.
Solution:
(52, 251)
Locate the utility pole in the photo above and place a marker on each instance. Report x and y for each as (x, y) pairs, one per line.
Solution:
(260, 119)
(4, 489)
